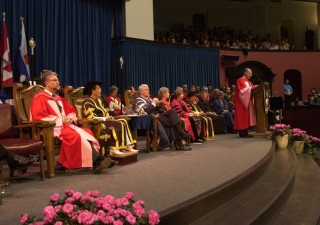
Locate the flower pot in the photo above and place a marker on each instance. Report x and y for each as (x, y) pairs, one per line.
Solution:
(282, 141)
(298, 147)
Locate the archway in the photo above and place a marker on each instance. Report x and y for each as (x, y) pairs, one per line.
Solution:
(287, 31)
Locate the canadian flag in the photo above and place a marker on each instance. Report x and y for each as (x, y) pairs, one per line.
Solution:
(6, 68)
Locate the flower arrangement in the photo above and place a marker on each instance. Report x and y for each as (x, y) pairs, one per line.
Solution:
(89, 208)
(279, 130)
(314, 142)
(299, 135)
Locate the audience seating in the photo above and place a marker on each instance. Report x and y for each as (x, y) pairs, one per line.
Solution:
(24, 145)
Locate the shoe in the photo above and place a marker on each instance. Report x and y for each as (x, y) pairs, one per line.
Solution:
(116, 152)
(247, 136)
(183, 148)
(132, 150)
(102, 165)
(185, 135)
(199, 141)
(113, 163)
(21, 162)
(233, 132)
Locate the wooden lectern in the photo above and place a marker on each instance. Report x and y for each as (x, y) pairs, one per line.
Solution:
(261, 94)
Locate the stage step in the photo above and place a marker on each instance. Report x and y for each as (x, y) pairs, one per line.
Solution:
(260, 202)
(303, 205)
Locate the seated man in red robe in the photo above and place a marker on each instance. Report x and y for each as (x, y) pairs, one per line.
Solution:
(79, 148)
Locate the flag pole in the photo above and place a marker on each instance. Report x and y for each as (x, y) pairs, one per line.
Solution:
(121, 82)
(32, 45)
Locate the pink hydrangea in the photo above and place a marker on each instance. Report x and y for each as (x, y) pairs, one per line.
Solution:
(54, 197)
(131, 219)
(87, 217)
(129, 195)
(24, 218)
(139, 211)
(153, 217)
(67, 208)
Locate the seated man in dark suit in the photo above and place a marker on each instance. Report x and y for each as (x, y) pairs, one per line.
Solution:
(145, 105)
(222, 108)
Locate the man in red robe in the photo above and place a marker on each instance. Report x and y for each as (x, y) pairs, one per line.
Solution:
(79, 148)
(244, 114)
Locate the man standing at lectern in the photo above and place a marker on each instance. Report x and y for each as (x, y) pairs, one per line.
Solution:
(244, 113)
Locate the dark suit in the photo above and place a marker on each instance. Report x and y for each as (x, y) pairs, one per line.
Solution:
(219, 107)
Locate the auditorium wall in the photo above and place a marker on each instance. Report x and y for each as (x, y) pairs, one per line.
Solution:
(261, 16)
(306, 62)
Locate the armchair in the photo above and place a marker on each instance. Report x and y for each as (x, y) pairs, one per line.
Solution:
(21, 145)
(43, 129)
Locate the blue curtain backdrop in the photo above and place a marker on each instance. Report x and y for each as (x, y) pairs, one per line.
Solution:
(72, 37)
(161, 65)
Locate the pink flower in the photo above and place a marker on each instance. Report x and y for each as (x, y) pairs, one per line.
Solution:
(48, 209)
(39, 223)
(109, 199)
(139, 211)
(93, 193)
(57, 208)
(117, 202)
(58, 223)
(87, 198)
(70, 200)
(77, 195)
(138, 203)
(129, 195)
(24, 218)
(131, 219)
(69, 192)
(87, 218)
(125, 201)
(54, 197)
(67, 208)
(117, 222)
(153, 217)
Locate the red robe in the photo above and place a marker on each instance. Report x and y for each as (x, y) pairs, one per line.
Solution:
(114, 101)
(244, 114)
(76, 151)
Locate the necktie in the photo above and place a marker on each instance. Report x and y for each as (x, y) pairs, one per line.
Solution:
(60, 108)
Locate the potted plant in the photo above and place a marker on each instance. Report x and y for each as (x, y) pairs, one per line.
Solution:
(80, 209)
(313, 146)
(298, 139)
(281, 134)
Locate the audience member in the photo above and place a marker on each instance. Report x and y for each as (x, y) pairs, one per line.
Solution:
(15, 162)
(309, 36)
(287, 93)
(113, 101)
(79, 148)
(116, 134)
(218, 121)
(297, 102)
(165, 106)
(222, 108)
(169, 119)
(207, 121)
(182, 108)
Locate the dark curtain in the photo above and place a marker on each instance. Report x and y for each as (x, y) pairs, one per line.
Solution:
(161, 65)
(73, 38)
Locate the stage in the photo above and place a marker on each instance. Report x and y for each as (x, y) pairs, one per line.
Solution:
(166, 180)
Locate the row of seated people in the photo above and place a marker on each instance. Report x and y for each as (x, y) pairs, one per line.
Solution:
(79, 148)
(198, 119)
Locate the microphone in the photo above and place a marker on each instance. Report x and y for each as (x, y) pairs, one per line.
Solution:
(258, 78)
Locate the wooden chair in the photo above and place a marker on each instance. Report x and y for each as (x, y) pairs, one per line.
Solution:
(25, 144)
(130, 99)
(43, 129)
